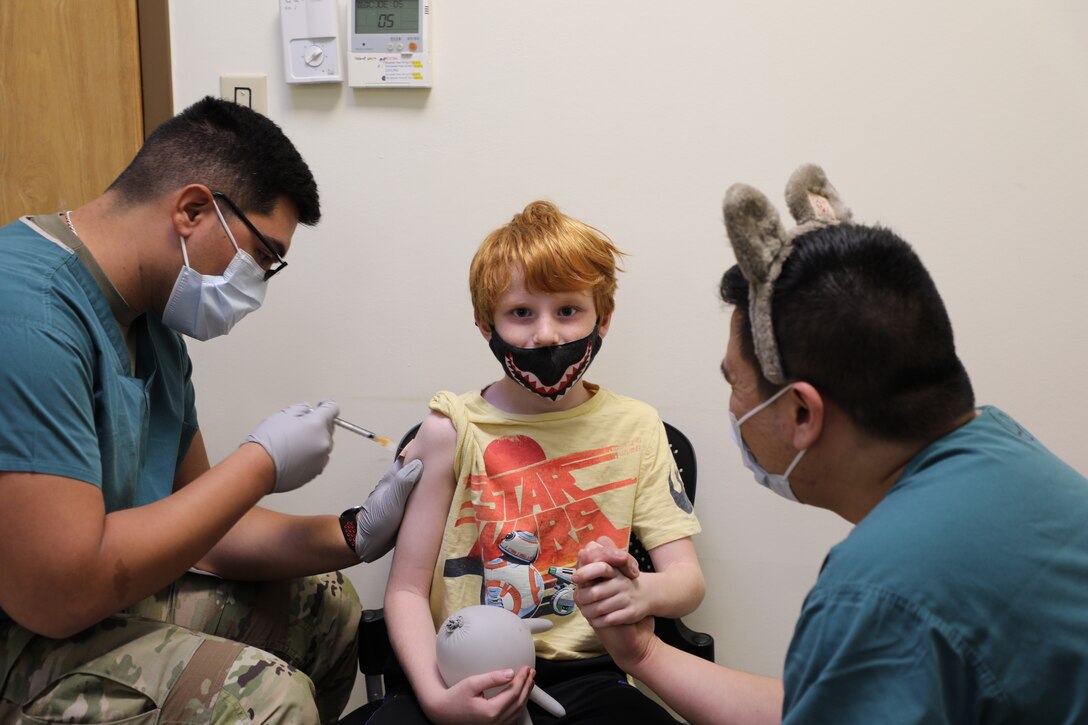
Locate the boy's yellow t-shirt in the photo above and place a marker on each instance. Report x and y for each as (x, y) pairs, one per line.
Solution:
(532, 490)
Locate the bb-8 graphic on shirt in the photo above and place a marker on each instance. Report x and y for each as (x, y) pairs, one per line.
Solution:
(513, 582)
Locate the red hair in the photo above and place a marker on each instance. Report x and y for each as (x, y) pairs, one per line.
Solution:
(554, 253)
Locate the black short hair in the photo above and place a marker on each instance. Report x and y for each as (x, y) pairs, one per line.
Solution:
(857, 315)
(229, 148)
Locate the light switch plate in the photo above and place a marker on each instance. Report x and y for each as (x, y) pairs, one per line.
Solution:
(246, 89)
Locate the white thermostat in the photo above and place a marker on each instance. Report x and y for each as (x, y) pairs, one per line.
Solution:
(311, 40)
(390, 44)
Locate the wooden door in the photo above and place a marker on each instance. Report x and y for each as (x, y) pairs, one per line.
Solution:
(71, 114)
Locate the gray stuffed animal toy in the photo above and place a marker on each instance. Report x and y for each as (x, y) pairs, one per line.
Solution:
(761, 245)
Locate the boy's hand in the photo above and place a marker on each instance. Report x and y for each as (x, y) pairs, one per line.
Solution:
(466, 703)
(608, 590)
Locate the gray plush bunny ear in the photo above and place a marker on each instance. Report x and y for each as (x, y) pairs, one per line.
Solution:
(761, 246)
(813, 201)
(754, 230)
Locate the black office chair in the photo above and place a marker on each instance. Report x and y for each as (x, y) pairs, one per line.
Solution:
(376, 656)
(673, 631)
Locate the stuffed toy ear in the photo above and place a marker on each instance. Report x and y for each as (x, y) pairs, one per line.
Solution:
(482, 638)
(812, 199)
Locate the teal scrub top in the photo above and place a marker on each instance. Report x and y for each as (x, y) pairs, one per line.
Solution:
(961, 598)
(73, 405)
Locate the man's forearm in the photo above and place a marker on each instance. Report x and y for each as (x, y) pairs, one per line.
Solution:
(119, 557)
(703, 692)
(269, 544)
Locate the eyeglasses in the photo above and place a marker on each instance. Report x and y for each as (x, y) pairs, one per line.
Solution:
(260, 237)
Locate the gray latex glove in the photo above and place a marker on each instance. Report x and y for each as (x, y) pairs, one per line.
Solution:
(371, 529)
(299, 441)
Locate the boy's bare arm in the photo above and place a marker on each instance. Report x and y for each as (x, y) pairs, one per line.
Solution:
(407, 596)
(676, 587)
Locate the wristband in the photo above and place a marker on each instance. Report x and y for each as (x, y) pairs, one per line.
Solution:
(349, 526)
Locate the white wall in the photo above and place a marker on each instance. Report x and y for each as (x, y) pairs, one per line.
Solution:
(961, 125)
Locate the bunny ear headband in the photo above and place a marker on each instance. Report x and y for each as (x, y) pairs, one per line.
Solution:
(761, 246)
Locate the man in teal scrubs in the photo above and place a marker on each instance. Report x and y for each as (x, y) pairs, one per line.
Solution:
(960, 596)
(108, 499)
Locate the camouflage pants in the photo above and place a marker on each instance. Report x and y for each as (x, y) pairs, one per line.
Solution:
(205, 650)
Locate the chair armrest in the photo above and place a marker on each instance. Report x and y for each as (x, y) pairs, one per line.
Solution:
(375, 652)
(675, 633)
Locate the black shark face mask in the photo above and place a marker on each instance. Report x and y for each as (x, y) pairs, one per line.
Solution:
(547, 371)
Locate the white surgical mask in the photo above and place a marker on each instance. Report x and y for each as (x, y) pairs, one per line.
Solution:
(777, 482)
(204, 306)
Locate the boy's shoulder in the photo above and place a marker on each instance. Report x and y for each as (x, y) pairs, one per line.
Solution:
(624, 407)
(450, 404)
(435, 425)
(629, 402)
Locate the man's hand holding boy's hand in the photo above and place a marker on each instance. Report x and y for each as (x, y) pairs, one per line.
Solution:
(604, 550)
(608, 590)
(602, 568)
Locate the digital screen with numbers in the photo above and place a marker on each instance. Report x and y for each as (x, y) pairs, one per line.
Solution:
(386, 17)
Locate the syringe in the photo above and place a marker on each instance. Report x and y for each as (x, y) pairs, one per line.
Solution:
(360, 431)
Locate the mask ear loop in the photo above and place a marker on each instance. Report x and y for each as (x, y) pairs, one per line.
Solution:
(800, 455)
(242, 255)
(184, 253)
(763, 405)
(230, 234)
(744, 446)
